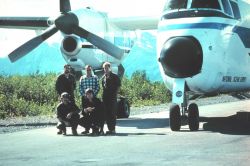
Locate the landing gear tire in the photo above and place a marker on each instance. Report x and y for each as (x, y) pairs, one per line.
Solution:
(175, 117)
(123, 108)
(193, 117)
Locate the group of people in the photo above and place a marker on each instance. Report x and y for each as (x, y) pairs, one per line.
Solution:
(94, 112)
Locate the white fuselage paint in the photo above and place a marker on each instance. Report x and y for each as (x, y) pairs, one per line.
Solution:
(226, 59)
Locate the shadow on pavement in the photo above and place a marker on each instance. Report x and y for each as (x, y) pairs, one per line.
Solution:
(29, 124)
(137, 134)
(117, 134)
(147, 123)
(226, 125)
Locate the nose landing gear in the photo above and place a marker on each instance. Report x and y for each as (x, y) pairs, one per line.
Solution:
(175, 117)
(190, 117)
(184, 115)
(193, 117)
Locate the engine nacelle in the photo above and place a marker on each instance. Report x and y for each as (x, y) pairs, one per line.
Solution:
(71, 45)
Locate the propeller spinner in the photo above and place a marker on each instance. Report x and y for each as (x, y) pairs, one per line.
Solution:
(67, 23)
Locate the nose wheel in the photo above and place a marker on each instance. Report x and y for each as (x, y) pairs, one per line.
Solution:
(193, 117)
(180, 113)
(175, 117)
(190, 117)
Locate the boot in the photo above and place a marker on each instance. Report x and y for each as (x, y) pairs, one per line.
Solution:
(74, 132)
(59, 132)
(64, 131)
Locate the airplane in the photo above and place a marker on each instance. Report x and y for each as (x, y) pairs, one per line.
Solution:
(89, 38)
(86, 45)
(203, 46)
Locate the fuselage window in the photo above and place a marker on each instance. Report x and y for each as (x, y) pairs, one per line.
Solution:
(227, 8)
(236, 10)
(212, 4)
(175, 4)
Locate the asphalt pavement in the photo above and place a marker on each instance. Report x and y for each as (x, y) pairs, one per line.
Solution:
(222, 139)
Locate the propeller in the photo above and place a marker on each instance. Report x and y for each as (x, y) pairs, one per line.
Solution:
(67, 23)
(31, 44)
(99, 42)
(65, 6)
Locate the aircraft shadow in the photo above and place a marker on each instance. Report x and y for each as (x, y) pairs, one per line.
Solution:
(226, 125)
(147, 123)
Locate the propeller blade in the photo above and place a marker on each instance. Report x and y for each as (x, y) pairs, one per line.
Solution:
(65, 6)
(25, 22)
(99, 42)
(31, 44)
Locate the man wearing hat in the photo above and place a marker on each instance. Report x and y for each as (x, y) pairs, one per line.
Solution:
(67, 115)
(93, 115)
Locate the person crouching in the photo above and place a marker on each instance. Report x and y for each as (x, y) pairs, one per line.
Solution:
(67, 115)
(92, 113)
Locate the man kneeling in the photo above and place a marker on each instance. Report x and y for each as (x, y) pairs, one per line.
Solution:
(92, 113)
(67, 115)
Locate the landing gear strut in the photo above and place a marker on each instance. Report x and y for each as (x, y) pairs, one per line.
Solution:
(184, 115)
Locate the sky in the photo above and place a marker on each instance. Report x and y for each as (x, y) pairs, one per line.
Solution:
(143, 52)
(51, 7)
(12, 38)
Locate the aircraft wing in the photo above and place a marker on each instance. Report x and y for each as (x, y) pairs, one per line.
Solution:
(33, 23)
(134, 23)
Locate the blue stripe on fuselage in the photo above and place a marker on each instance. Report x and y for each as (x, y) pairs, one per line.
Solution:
(244, 33)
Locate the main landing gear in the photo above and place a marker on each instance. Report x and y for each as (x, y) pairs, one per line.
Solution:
(184, 115)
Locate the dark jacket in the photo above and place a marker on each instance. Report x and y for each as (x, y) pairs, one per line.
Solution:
(64, 109)
(95, 117)
(110, 85)
(64, 84)
(95, 103)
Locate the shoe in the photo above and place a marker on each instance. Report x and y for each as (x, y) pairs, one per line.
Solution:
(94, 134)
(64, 132)
(101, 132)
(111, 132)
(74, 132)
(85, 132)
(59, 132)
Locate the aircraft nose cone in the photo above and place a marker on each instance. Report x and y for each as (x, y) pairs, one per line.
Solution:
(181, 57)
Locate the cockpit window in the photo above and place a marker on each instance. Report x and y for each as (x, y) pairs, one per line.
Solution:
(201, 8)
(212, 4)
(227, 8)
(175, 4)
(236, 10)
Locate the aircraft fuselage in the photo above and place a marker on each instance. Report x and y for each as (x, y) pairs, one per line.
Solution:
(225, 46)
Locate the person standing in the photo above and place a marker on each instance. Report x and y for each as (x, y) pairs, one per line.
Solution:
(110, 83)
(67, 115)
(66, 83)
(88, 81)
